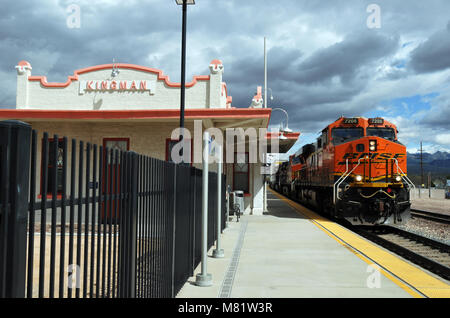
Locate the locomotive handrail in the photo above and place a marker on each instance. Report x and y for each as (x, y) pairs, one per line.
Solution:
(334, 185)
(343, 177)
(405, 177)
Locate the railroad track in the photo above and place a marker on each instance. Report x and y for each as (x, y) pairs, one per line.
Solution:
(432, 216)
(427, 253)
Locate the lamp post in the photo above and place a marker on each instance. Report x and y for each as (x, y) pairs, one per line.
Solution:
(265, 72)
(285, 130)
(184, 3)
(271, 95)
(282, 137)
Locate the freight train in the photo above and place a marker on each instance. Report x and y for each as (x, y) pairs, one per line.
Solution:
(355, 171)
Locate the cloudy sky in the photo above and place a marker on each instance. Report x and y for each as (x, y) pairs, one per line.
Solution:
(326, 58)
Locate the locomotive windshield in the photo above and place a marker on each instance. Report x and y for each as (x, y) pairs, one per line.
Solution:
(341, 135)
(296, 160)
(386, 133)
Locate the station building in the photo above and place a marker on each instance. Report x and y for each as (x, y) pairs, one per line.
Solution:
(132, 107)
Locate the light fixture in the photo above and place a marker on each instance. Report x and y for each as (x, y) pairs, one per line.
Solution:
(271, 93)
(115, 72)
(180, 2)
(287, 129)
(398, 178)
(359, 178)
(115, 69)
(373, 145)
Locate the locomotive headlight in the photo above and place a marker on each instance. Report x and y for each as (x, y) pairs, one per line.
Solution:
(373, 145)
(398, 178)
(358, 178)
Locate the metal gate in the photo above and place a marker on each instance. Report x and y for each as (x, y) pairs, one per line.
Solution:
(63, 233)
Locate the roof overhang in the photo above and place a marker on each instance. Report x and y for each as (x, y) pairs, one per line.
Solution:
(220, 118)
(286, 141)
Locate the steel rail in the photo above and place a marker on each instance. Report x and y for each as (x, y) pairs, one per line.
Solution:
(421, 260)
(432, 216)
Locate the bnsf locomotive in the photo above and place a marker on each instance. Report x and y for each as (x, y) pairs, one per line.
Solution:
(355, 171)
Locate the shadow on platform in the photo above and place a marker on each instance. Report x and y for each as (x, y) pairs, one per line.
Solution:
(280, 209)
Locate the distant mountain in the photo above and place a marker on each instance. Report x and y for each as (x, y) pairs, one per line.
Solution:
(438, 163)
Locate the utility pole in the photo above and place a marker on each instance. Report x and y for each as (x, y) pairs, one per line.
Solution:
(421, 163)
(429, 185)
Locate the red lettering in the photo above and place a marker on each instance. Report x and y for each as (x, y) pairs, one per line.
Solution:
(89, 85)
(143, 85)
(113, 85)
(123, 85)
(104, 85)
(133, 85)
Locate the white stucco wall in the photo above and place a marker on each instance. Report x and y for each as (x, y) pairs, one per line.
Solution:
(33, 92)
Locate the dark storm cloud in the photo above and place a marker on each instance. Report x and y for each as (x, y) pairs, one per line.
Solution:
(315, 89)
(322, 56)
(345, 58)
(37, 31)
(330, 75)
(434, 54)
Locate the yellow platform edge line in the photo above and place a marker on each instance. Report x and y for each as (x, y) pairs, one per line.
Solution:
(412, 275)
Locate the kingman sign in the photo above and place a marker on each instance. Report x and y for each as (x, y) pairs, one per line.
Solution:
(132, 86)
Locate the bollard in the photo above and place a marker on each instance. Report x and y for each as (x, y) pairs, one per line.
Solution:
(228, 193)
(218, 252)
(204, 279)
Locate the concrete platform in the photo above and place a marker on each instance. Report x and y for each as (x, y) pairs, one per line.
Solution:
(292, 253)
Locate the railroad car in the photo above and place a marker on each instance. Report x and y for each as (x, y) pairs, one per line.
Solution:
(355, 171)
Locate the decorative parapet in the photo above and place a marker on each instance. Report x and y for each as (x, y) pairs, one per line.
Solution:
(257, 101)
(216, 66)
(22, 67)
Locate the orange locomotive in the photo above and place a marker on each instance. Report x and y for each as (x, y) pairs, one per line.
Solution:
(356, 171)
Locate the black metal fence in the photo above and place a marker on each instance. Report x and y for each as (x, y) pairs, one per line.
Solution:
(98, 222)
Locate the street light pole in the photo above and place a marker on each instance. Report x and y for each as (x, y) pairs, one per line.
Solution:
(183, 68)
(184, 3)
(265, 72)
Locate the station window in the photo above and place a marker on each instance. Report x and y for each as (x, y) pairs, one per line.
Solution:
(120, 144)
(241, 173)
(52, 161)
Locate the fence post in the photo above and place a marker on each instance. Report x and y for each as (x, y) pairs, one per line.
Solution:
(15, 143)
(133, 222)
(128, 226)
(174, 229)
